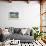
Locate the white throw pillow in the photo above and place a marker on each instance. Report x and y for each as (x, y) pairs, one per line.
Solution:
(5, 32)
(23, 31)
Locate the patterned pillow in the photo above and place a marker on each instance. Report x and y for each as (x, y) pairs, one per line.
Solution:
(17, 30)
(11, 29)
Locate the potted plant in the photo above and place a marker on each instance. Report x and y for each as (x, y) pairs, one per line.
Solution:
(37, 33)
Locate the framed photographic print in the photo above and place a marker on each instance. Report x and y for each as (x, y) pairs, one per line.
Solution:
(14, 15)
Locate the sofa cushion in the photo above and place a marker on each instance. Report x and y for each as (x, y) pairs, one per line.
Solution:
(22, 38)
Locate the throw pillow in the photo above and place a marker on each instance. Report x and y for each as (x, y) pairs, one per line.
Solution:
(17, 30)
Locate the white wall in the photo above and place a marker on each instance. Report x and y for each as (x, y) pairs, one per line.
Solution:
(29, 14)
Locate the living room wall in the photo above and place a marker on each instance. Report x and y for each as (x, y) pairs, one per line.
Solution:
(29, 14)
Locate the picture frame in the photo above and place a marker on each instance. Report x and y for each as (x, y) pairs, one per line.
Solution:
(14, 15)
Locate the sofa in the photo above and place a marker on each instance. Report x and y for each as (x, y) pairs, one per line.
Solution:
(16, 34)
